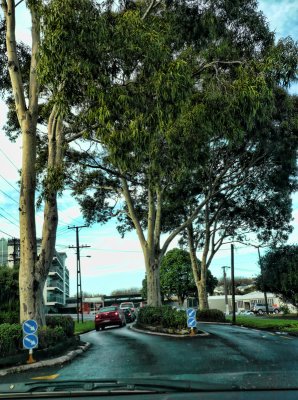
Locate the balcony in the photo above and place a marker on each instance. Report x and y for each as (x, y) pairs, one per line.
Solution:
(54, 298)
(53, 284)
(56, 270)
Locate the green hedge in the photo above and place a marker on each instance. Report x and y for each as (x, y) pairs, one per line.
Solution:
(211, 315)
(10, 339)
(9, 317)
(58, 329)
(163, 316)
(65, 322)
(48, 337)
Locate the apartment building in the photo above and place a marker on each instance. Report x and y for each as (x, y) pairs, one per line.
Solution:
(3, 252)
(56, 290)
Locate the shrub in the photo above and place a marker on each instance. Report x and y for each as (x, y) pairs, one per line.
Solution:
(9, 317)
(63, 321)
(163, 316)
(285, 309)
(10, 339)
(48, 337)
(211, 315)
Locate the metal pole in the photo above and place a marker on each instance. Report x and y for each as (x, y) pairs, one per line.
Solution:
(233, 284)
(265, 292)
(225, 290)
(78, 277)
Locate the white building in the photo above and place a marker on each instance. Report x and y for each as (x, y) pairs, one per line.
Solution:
(56, 290)
(3, 252)
(246, 301)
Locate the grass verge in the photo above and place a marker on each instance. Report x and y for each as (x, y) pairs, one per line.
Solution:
(280, 325)
(83, 327)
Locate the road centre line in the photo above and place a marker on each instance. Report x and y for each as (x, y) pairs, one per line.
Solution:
(48, 377)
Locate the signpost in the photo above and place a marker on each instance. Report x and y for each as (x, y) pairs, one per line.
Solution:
(30, 338)
(191, 320)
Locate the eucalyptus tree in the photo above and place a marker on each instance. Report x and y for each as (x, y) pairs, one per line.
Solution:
(190, 79)
(279, 273)
(38, 93)
(258, 202)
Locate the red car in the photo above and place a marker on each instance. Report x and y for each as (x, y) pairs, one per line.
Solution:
(109, 316)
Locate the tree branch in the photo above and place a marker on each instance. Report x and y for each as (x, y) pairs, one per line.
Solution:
(133, 215)
(13, 62)
(153, 4)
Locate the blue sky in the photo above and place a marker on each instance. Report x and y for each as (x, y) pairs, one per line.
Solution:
(118, 263)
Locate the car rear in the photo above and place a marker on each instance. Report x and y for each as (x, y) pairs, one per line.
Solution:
(109, 316)
(127, 304)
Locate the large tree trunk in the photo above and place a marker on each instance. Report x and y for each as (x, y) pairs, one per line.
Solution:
(33, 269)
(33, 274)
(28, 286)
(199, 278)
(203, 296)
(193, 257)
(153, 286)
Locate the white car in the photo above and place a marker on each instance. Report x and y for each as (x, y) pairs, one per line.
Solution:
(246, 313)
(127, 304)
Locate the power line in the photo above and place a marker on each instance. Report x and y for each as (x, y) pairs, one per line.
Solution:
(7, 195)
(12, 163)
(10, 184)
(7, 234)
(8, 220)
(11, 216)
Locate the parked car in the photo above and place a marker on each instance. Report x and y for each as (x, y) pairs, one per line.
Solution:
(109, 316)
(130, 316)
(245, 313)
(127, 304)
(260, 308)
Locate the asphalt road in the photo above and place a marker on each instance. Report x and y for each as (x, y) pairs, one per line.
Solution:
(121, 353)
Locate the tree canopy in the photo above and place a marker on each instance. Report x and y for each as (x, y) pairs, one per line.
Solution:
(279, 273)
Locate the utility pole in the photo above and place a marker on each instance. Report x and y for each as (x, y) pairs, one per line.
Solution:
(264, 289)
(79, 275)
(225, 289)
(233, 285)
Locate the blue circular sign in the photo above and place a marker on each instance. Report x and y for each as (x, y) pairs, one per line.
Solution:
(191, 312)
(30, 326)
(30, 341)
(191, 322)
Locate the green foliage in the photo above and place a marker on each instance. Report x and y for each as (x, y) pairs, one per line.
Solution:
(279, 273)
(65, 322)
(10, 339)
(272, 324)
(212, 315)
(48, 337)
(163, 316)
(285, 309)
(11, 336)
(84, 327)
(176, 276)
(9, 317)
(9, 293)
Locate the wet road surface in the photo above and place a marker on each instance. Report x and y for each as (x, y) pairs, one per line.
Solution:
(122, 353)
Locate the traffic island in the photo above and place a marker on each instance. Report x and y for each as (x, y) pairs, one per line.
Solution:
(49, 362)
(159, 330)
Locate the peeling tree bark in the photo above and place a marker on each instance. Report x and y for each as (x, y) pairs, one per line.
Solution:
(33, 269)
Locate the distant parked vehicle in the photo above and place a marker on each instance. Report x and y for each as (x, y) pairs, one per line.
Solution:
(109, 316)
(127, 304)
(246, 313)
(130, 316)
(260, 308)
